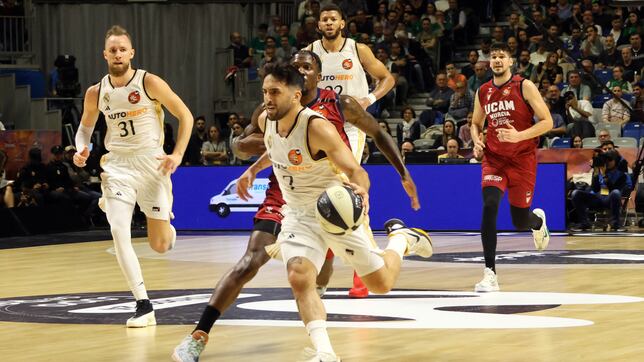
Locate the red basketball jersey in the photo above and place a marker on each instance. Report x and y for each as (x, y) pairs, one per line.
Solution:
(327, 103)
(505, 105)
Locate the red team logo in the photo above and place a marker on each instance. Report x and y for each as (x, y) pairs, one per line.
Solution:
(347, 64)
(322, 110)
(134, 97)
(295, 156)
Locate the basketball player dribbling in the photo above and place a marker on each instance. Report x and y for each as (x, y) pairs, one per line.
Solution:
(136, 170)
(508, 103)
(344, 63)
(268, 218)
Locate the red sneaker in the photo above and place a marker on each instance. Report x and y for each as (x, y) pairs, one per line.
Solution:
(359, 290)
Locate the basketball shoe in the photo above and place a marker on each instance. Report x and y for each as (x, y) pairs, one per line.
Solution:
(144, 315)
(190, 347)
(489, 283)
(311, 355)
(418, 242)
(541, 237)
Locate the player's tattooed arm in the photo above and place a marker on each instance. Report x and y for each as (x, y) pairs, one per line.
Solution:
(354, 114)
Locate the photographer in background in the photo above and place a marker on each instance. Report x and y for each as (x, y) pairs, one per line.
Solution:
(608, 185)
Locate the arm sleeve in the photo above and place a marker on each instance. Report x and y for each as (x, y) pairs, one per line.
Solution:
(83, 137)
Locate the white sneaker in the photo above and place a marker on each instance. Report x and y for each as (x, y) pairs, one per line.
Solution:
(174, 237)
(144, 315)
(418, 242)
(541, 237)
(311, 355)
(489, 283)
(320, 289)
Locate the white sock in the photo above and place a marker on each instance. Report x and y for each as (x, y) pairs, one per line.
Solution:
(119, 215)
(320, 338)
(397, 243)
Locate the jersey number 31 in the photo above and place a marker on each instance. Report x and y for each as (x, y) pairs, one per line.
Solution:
(123, 125)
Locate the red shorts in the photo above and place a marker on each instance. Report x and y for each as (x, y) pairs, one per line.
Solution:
(271, 208)
(517, 175)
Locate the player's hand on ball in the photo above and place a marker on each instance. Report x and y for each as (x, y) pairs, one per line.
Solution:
(410, 189)
(80, 158)
(359, 190)
(169, 163)
(244, 182)
(508, 134)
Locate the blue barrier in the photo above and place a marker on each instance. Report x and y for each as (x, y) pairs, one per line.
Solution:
(450, 197)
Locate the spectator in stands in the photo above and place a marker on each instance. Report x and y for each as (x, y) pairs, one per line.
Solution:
(449, 131)
(417, 60)
(270, 56)
(574, 43)
(274, 29)
(409, 128)
(513, 47)
(551, 18)
(524, 67)
(619, 81)
(398, 95)
(484, 52)
(258, 42)
(456, 17)
(481, 75)
(581, 91)
(610, 55)
(564, 10)
(524, 41)
(622, 164)
(452, 150)
(430, 13)
(544, 84)
(6, 187)
(587, 73)
(577, 115)
(31, 181)
(81, 178)
(472, 59)
(497, 35)
(540, 55)
(592, 46)
(559, 128)
(464, 132)
(236, 130)
(453, 75)
(549, 69)
(552, 41)
(439, 97)
(630, 65)
(603, 135)
(377, 36)
(241, 53)
(637, 102)
(385, 126)
(307, 8)
(428, 39)
(193, 151)
(588, 20)
(633, 23)
(286, 50)
(168, 139)
(553, 98)
(614, 111)
(534, 29)
(214, 150)
(636, 44)
(307, 33)
(575, 21)
(608, 185)
(406, 148)
(514, 25)
(461, 102)
(617, 33)
(284, 30)
(62, 190)
(577, 142)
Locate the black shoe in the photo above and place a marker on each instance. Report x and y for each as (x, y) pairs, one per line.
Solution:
(143, 306)
(144, 315)
(617, 228)
(580, 227)
(394, 224)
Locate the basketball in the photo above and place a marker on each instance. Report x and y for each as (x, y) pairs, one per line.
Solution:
(339, 210)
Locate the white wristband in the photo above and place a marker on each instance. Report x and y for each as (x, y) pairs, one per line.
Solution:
(372, 98)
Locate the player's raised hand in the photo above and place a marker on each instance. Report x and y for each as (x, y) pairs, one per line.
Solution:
(359, 190)
(244, 182)
(169, 163)
(80, 157)
(509, 134)
(410, 189)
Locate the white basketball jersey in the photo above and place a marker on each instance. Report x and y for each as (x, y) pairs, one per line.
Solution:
(343, 72)
(301, 178)
(134, 120)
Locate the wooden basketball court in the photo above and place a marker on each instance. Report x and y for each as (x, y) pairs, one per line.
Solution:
(582, 300)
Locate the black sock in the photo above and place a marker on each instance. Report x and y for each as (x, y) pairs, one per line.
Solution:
(208, 318)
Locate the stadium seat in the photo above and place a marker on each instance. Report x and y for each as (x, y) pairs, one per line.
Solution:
(561, 143)
(599, 100)
(633, 130)
(615, 129)
(625, 142)
(627, 97)
(603, 76)
(423, 143)
(591, 142)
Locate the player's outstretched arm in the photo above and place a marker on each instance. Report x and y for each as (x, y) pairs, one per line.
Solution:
(544, 124)
(357, 116)
(158, 89)
(251, 141)
(324, 137)
(478, 122)
(377, 70)
(86, 127)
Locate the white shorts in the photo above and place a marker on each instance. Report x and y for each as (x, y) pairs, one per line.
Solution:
(357, 140)
(134, 178)
(302, 236)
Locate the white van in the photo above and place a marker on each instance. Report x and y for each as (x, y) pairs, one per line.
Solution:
(228, 200)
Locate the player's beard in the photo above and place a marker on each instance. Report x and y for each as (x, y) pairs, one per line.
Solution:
(501, 73)
(118, 70)
(332, 36)
(278, 113)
